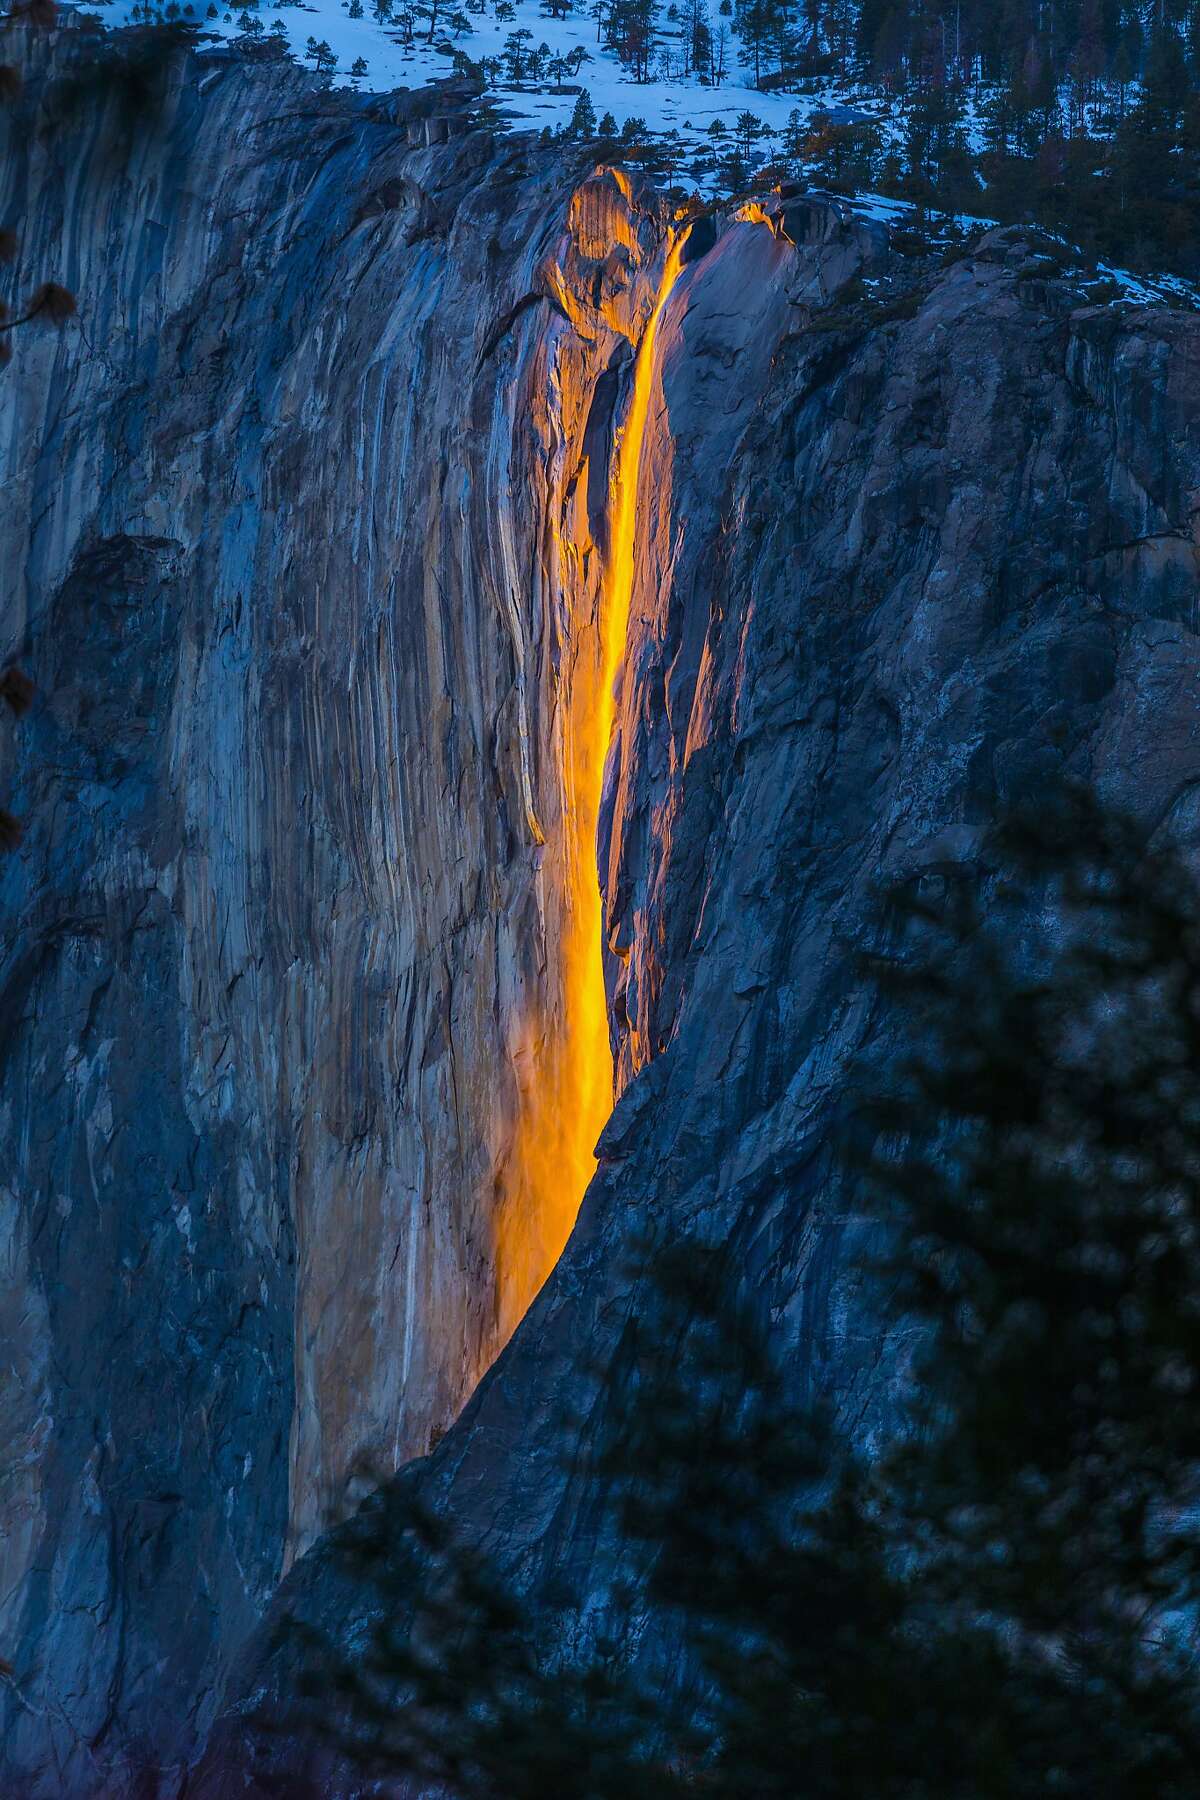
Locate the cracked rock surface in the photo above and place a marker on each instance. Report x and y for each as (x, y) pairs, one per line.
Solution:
(304, 525)
(276, 520)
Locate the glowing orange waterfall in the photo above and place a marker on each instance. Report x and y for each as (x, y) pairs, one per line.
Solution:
(623, 524)
(567, 1076)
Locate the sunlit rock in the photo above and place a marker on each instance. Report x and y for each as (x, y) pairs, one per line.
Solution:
(320, 525)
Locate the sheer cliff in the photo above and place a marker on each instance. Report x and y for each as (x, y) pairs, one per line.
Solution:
(313, 527)
(286, 1152)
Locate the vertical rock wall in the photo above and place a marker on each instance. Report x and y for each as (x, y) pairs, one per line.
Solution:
(283, 520)
(917, 538)
(304, 525)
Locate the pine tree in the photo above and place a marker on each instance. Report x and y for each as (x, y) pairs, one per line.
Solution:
(695, 35)
(1087, 63)
(631, 27)
(1156, 209)
(760, 25)
(583, 118)
(748, 131)
(888, 51)
(872, 16)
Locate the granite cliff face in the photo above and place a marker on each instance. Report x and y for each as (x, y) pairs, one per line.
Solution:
(281, 947)
(310, 531)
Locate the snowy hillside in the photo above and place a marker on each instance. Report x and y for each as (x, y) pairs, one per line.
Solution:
(405, 53)
(1091, 132)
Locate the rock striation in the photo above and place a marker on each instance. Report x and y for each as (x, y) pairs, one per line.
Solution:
(306, 525)
(281, 521)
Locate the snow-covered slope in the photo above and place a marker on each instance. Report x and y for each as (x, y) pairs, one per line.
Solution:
(669, 101)
(379, 45)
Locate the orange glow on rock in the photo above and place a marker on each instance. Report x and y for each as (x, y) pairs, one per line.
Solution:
(566, 1086)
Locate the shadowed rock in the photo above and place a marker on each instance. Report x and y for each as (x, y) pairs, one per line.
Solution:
(306, 516)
